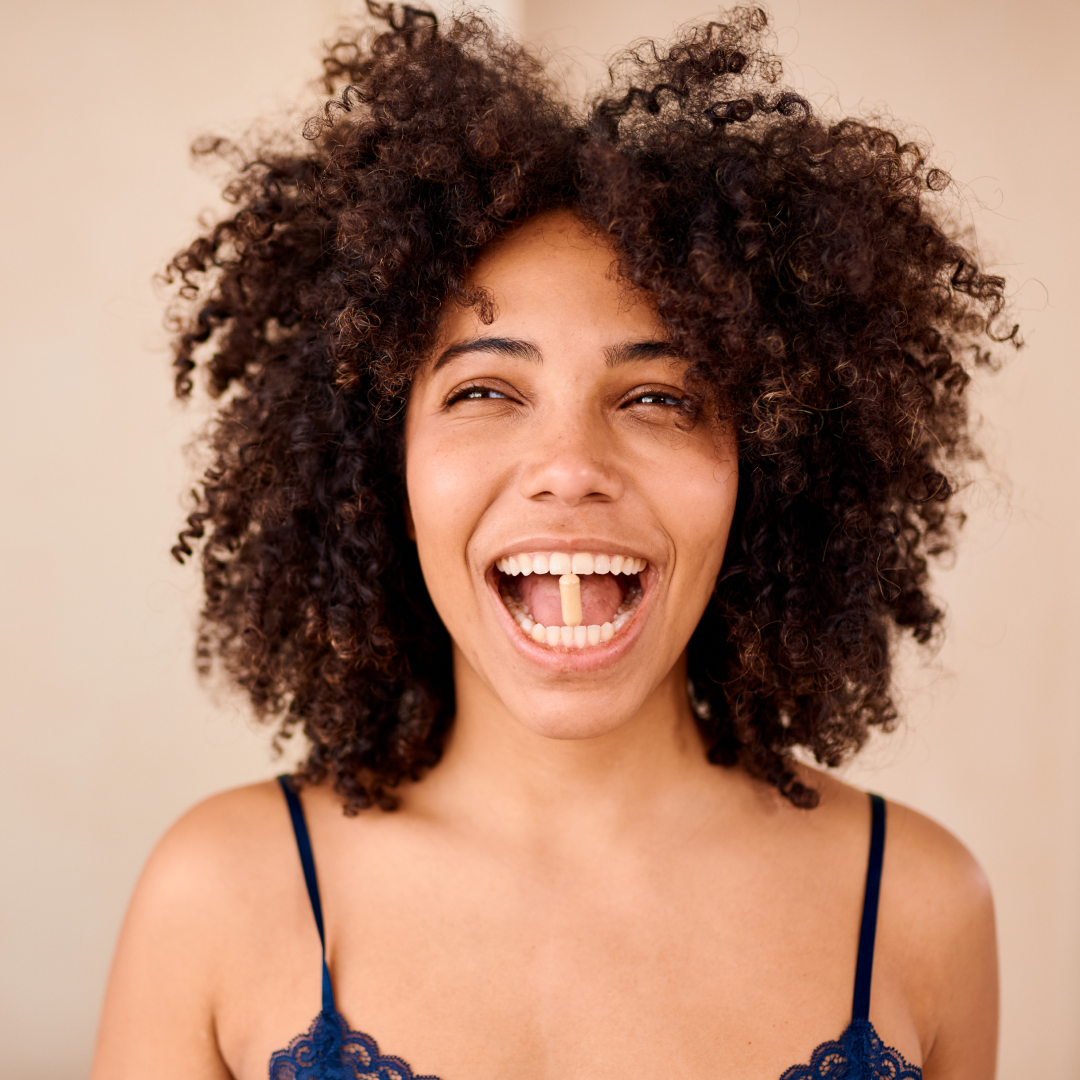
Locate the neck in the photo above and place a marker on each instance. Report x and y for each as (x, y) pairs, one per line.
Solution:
(499, 774)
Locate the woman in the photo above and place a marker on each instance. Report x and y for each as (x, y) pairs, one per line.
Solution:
(570, 474)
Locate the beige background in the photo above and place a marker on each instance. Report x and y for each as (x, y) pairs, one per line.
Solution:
(105, 735)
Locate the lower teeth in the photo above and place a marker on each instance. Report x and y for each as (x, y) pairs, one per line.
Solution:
(573, 636)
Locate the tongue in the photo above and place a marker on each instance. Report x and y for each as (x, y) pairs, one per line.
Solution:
(601, 594)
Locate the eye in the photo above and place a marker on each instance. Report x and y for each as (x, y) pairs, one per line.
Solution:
(476, 393)
(657, 397)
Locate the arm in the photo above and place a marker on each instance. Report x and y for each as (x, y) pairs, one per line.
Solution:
(947, 923)
(158, 1014)
(209, 900)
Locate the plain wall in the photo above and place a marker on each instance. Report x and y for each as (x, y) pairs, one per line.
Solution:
(107, 736)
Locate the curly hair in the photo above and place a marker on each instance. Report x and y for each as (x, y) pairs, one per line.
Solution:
(802, 267)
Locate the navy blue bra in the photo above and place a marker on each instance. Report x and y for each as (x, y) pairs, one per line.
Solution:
(331, 1050)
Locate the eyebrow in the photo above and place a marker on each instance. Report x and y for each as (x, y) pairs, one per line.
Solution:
(521, 350)
(627, 352)
(630, 351)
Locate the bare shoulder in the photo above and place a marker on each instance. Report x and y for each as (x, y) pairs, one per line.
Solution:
(218, 852)
(212, 883)
(231, 825)
(936, 935)
(942, 880)
(937, 876)
(939, 918)
(932, 884)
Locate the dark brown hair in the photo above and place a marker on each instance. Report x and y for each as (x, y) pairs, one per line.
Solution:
(800, 266)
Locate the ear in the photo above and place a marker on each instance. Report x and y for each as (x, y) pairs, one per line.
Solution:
(410, 526)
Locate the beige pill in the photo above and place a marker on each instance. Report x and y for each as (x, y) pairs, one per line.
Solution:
(570, 593)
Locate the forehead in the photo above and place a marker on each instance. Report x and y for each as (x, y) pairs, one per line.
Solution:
(554, 268)
(551, 237)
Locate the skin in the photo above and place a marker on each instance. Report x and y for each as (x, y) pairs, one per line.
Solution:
(573, 892)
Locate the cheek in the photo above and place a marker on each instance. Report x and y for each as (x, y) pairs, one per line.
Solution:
(437, 497)
(446, 491)
(701, 505)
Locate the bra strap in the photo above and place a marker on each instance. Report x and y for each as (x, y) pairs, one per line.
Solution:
(307, 861)
(864, 965)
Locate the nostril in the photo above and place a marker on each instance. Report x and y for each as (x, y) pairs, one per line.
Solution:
(571, 482)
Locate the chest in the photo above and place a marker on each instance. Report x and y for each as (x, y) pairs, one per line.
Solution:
(468, 968)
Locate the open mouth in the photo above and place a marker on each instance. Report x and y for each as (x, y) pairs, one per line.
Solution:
(570, 599)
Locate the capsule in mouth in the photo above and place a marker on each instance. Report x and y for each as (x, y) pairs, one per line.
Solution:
(570, 600)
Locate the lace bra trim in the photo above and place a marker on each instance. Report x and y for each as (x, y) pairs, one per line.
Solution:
(859, 1054)
(331, 1050)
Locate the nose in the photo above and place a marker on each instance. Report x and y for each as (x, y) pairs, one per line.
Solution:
(573, 465)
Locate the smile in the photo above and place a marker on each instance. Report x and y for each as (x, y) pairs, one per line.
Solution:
(571, 600)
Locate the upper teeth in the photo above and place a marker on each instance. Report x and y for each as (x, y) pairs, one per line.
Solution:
(562, 562)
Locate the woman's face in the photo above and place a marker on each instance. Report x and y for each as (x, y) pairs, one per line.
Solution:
(556, 442)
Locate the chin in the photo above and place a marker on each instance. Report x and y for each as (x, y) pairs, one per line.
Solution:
(565, 728)
(574, 717)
